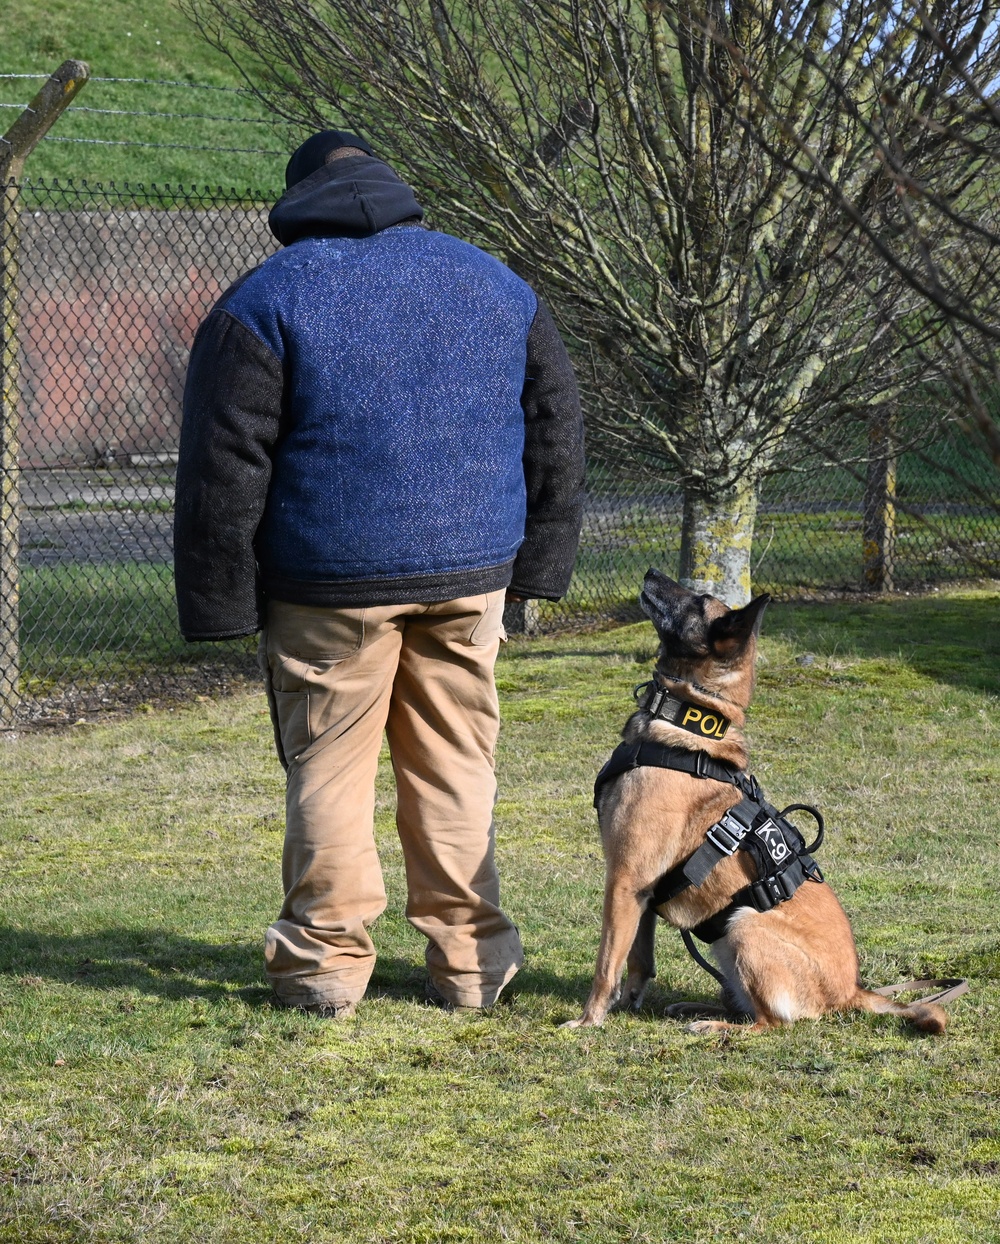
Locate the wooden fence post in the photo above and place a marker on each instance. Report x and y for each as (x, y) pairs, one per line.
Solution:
(880, 505)
(15, 147)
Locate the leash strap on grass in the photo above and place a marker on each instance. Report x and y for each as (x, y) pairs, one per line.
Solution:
(701, 961)
(948, 990)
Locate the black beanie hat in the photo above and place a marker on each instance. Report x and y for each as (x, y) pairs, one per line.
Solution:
(313, 152)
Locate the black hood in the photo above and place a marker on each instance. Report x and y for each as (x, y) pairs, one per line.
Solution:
(352, 197)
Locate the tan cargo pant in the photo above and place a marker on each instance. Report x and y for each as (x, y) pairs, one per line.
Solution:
(336, 678)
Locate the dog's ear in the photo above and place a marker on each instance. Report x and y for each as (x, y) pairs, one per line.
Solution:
(664, 602)
(730, 634)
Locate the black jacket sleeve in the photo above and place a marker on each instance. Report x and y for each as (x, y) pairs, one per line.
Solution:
(553, 465)
(232, 413)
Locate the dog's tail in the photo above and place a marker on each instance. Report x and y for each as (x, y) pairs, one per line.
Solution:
(924, 1014)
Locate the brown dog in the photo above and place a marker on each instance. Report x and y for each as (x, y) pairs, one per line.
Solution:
(795, 961)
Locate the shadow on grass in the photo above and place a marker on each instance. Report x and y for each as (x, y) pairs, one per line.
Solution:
(951, 639)
(169, 965)
(570, 994)
(154, 961)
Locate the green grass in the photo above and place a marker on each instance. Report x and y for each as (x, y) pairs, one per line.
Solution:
(149, 39)
(83, 622)
(152, 1092)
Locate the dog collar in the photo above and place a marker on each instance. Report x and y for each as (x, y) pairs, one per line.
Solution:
(663, 704)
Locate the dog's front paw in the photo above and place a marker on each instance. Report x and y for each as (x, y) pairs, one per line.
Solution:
(585, 1021)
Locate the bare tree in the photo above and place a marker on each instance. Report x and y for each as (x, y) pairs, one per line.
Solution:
(921, 86)
(642, 163)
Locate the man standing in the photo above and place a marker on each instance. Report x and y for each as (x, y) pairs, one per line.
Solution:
(382, 436)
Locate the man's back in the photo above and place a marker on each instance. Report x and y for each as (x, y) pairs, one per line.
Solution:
(404, 356)
(377, 414)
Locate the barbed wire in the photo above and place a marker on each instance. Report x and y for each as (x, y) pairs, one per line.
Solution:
(155, 113)
(69, 186)
(192, 86)
(131, 142)
(180, 116)
(160, 115)
(189, 86)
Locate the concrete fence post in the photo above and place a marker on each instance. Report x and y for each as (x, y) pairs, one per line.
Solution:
(15, 147)
(520, 617)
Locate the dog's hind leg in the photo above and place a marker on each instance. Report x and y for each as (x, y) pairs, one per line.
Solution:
(641, 962)
(623, 911)
(769, 977)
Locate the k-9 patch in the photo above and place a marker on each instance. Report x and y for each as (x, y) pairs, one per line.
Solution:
(773, 841)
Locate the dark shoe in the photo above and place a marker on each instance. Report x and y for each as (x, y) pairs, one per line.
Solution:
(325, 1010)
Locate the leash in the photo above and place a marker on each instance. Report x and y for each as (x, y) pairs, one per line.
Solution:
(948, 989)
(699, 958)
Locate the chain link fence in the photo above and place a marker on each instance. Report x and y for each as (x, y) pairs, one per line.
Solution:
(103, 289)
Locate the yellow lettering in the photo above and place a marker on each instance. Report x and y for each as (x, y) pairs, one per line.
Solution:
(709, 724)
(723, 727)
(693, 714)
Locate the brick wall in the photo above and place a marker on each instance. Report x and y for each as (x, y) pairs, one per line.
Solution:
(110, 302)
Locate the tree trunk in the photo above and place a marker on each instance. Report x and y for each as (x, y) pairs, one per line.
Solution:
(715, 543)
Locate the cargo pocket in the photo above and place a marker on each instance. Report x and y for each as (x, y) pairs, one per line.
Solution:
(312, 633)
(490, 625)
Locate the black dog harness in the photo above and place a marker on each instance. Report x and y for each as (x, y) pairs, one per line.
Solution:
(782, 859)
(780, 855)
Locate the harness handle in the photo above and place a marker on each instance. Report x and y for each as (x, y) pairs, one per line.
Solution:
(817, 817)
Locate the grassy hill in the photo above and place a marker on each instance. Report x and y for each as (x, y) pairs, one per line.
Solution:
(150, 40)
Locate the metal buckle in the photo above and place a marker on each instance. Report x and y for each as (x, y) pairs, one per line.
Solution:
(727, 834)
(812, 869)
(785, 885)
(753, 789)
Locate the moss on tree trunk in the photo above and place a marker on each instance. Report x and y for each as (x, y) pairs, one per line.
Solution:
(716, 537)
